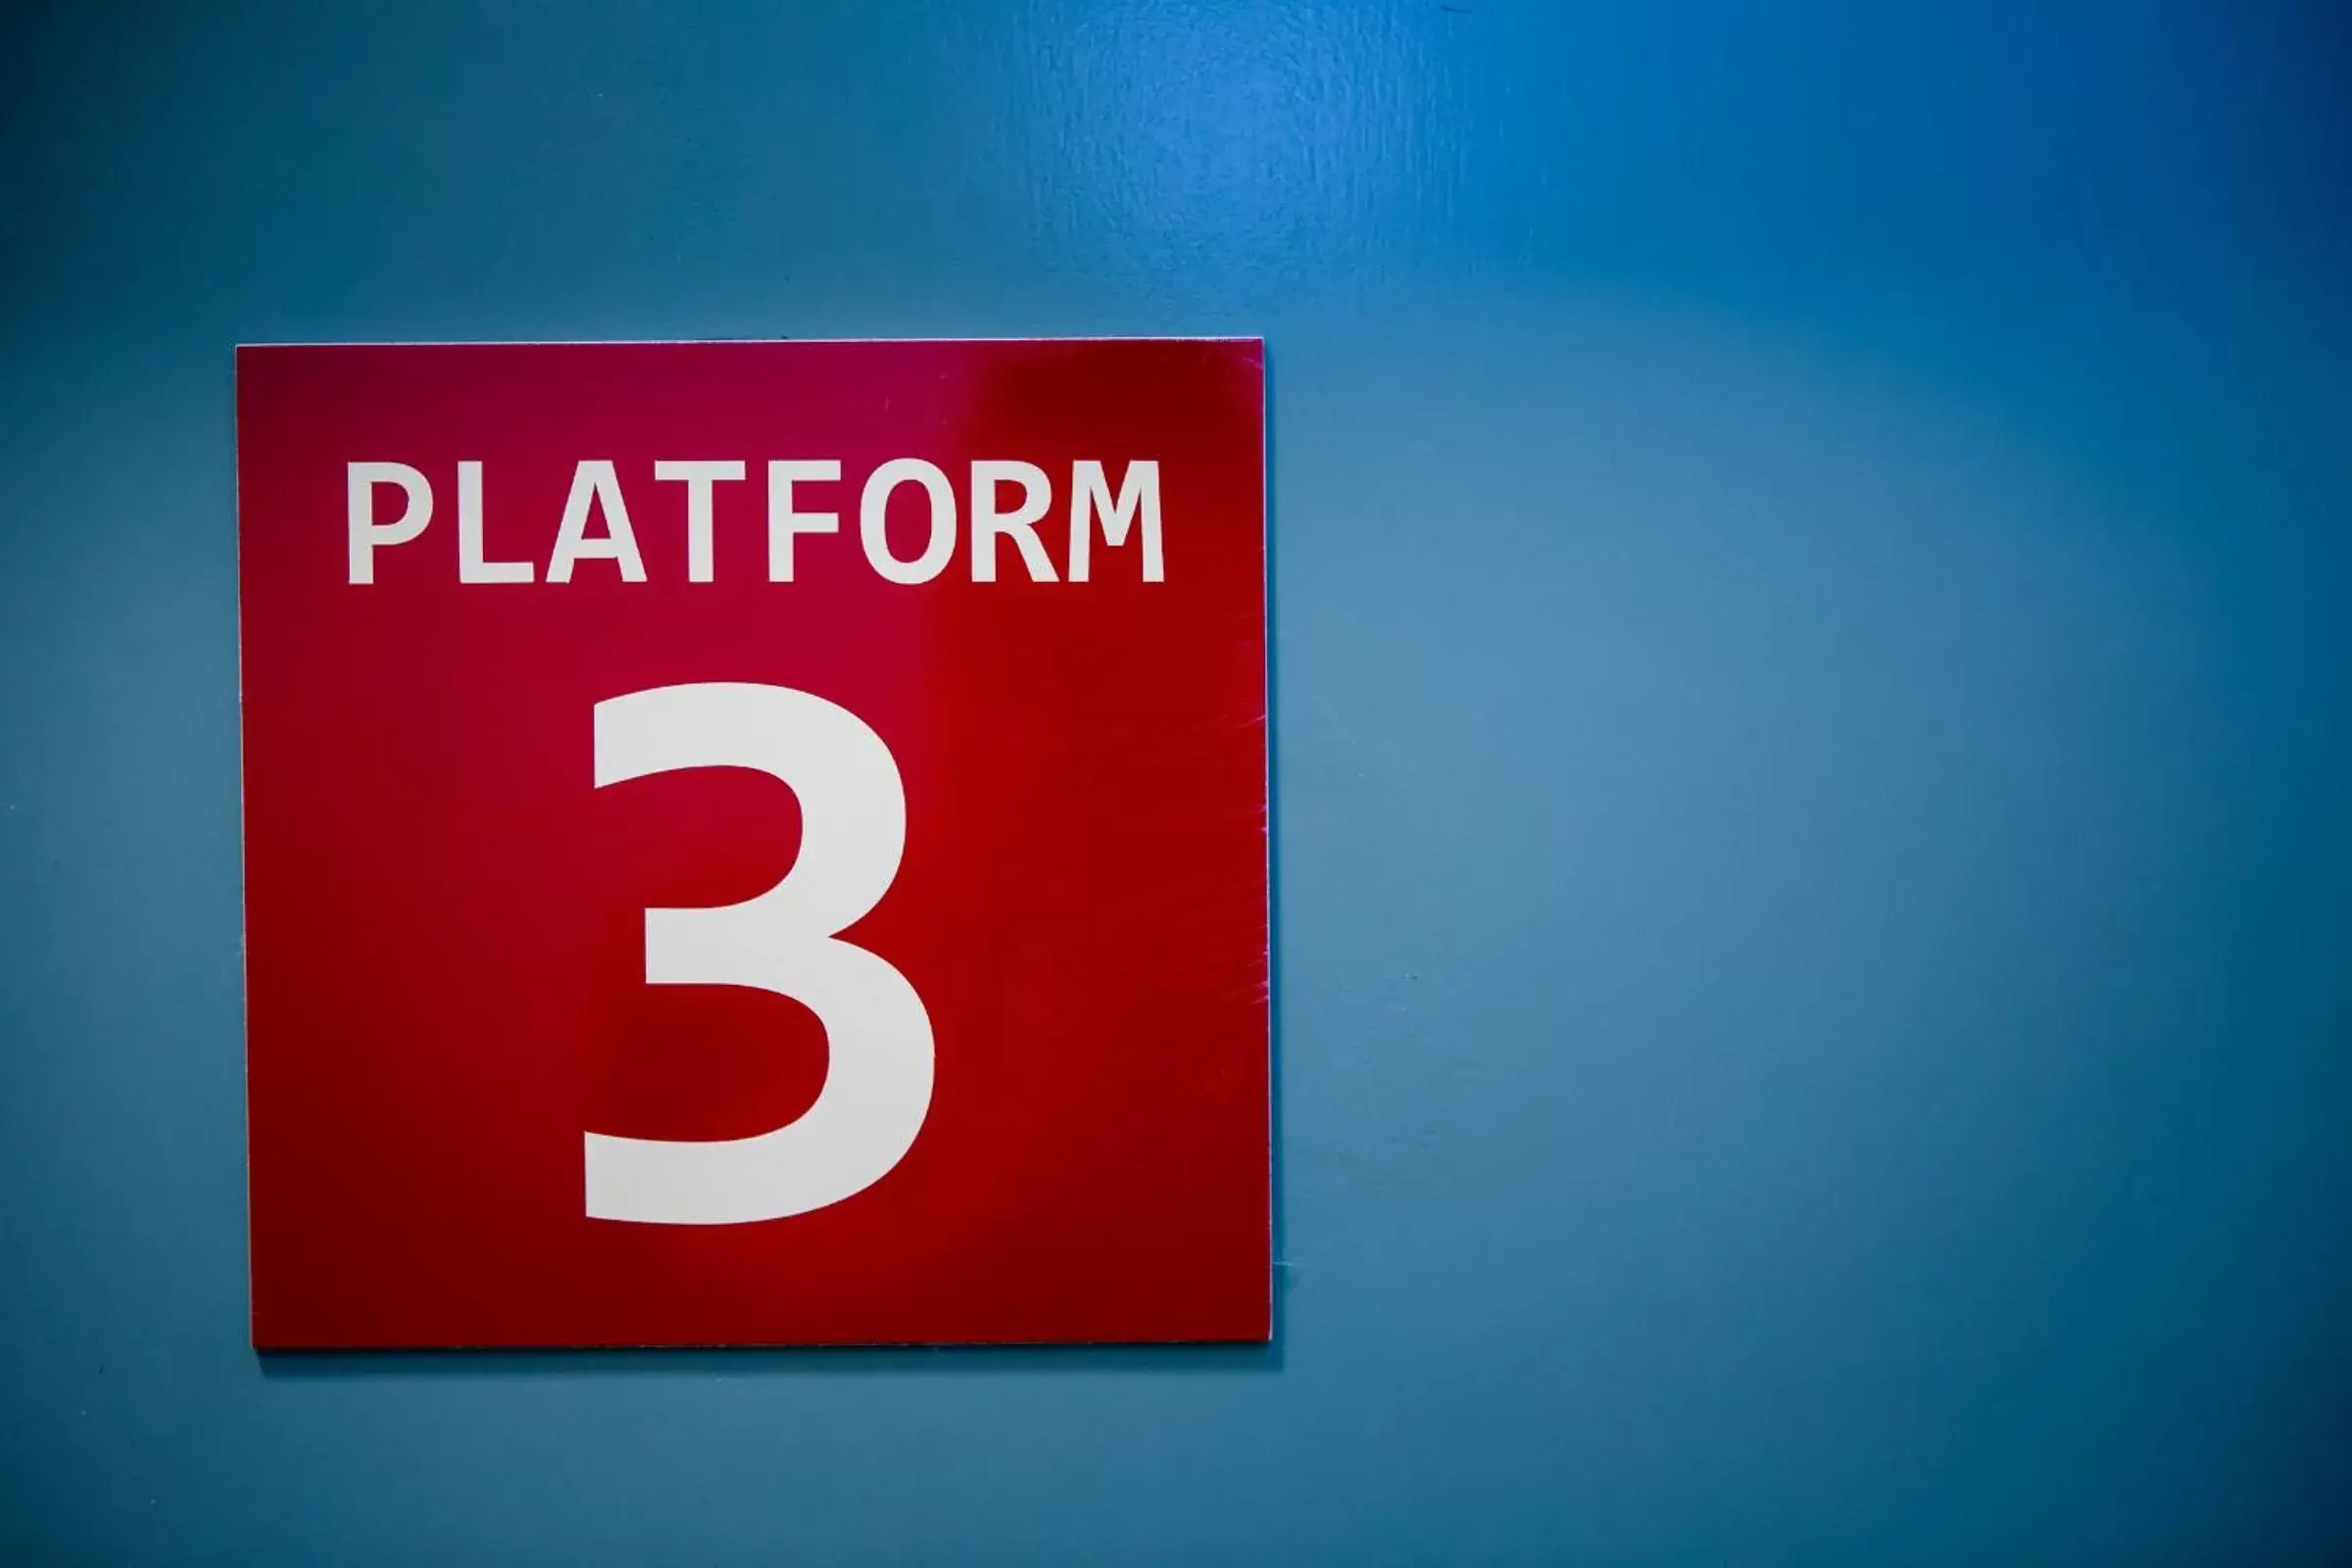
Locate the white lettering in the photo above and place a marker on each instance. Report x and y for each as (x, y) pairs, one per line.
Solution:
(1131, 514)
(471, 564)
(878, 1039)
(1019, 525)
(595, 485)
(783, 522)
(701, 479)
(367, 534)
(1139, 496)
(873, 509)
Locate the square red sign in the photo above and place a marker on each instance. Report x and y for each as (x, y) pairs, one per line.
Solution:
(756, 843)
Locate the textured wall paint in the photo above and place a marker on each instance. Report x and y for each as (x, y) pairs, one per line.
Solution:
(1813, 634)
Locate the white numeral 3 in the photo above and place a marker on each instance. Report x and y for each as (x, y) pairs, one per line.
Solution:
(878, 1037)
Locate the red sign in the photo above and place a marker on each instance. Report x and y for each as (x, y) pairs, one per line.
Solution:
(756, 843)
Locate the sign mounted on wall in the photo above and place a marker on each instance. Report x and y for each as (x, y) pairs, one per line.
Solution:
(756, 843)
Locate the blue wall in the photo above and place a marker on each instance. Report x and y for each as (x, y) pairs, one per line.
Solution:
(1813, 634)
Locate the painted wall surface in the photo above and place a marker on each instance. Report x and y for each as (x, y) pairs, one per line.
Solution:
(1813, 728)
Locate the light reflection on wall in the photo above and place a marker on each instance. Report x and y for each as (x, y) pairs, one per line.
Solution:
(1224, 133)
